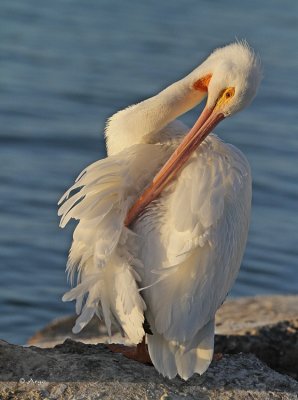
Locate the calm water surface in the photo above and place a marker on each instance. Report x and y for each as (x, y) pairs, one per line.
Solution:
(68, 65)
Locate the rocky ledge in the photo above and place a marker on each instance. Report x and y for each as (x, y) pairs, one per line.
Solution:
(257, 336)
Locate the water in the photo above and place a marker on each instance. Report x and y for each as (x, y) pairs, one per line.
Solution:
(68, 65)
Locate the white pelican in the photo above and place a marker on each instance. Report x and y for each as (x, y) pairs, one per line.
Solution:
(179, 257)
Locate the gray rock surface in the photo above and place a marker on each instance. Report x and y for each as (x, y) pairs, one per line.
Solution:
(236, 316)
(76, 371)
(248, 314)
(264, 326)
(276, 345)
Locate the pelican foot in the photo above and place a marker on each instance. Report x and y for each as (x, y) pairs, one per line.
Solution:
(138, 353)
(217, 356)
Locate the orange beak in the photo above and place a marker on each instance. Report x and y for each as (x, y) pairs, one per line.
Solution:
(201, 129)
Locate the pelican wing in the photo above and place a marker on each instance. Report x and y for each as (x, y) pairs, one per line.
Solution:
(194, 250)
(103, 250)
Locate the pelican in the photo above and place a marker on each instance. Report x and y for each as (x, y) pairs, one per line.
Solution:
(163, 220)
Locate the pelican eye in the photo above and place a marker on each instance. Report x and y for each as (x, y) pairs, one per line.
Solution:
(228, 93)
(225, 96)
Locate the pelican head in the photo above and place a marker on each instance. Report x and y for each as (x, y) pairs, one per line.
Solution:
(229, 78)
(232, 75)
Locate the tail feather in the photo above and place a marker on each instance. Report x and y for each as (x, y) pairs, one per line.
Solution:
(162, 354)
(196, 356)
(171, 358)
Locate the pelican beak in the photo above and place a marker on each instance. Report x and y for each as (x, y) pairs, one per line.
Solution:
(206, 122)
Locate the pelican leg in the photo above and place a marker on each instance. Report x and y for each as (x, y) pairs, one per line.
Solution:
(138, 353)
(217, 356)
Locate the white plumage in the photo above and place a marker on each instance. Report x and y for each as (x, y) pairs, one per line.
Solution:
(185, 249)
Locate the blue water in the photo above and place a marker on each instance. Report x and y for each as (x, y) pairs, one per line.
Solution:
(67, 65)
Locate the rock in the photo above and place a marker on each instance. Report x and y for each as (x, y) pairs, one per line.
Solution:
(60, 329)
(236, 316)
(264, 326)
(75, 370)
(276, 345)
(239, 316)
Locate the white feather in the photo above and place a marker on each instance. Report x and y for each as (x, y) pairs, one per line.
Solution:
(185, 301)
(186, 248)
(103, 250)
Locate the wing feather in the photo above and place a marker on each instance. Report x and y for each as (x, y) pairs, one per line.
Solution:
(202, 233)
(103, 251)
